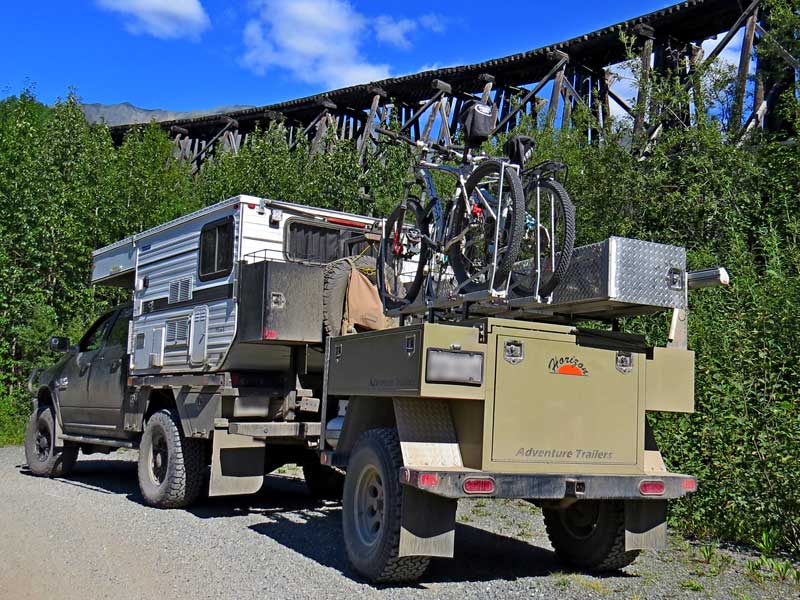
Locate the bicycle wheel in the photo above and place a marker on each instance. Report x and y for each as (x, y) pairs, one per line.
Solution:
(550, 237)
(471, 235)
(403, 255)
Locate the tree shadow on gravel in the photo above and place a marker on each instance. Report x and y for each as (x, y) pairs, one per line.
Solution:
(479, 555)
(103, 476)
(311, 527)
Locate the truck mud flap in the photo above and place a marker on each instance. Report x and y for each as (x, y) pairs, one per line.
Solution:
(237, 464)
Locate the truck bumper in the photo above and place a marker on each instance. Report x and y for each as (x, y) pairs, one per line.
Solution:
(460, 483)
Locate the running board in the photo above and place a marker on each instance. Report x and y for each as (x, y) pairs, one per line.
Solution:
(85, 439)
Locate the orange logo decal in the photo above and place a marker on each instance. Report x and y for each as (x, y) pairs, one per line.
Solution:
(568, 365)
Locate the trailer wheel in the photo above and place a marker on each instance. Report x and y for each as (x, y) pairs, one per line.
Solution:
(323, 482)
(590, 534)
(172, 468)
(40, 448)
(372, 510)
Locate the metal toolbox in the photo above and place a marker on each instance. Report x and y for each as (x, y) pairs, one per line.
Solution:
(618, 277)
(280, 303)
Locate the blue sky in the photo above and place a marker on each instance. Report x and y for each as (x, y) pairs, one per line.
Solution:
(195, 54)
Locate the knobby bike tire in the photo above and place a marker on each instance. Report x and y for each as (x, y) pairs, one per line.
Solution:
(514, 230)
(411, 290)
(566, 208)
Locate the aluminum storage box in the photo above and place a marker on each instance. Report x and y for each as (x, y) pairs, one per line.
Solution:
(619, 277)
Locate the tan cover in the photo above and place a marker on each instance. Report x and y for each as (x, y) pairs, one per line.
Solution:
(363, 308)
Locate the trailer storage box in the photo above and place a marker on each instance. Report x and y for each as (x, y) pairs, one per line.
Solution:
(280, 303)
(618, 277)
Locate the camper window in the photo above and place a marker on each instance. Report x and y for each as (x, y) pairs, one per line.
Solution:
(321, 244)
(216, 249)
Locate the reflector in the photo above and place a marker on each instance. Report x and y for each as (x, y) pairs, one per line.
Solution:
(428, 480)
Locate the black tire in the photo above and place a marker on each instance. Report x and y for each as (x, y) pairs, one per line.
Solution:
(524, 281)
(40, 452)
(390, 262)
(372, 527)
(334, 291)
(179, 482)
(590, 535)
(323, 482)
(467, 267)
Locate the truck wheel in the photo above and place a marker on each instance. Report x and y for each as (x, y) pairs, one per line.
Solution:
(372, 510)
(323, 482)
(172, 468)
(590, 534)
(40, 452)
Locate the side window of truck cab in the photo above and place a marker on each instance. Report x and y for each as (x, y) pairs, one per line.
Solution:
(216, 249)
(94, 337)
(118, 336)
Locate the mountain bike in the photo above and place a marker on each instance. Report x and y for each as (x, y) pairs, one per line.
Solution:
(549, 227)
(473, 238)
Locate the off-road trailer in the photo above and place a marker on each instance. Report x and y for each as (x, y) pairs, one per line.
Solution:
(233, 368)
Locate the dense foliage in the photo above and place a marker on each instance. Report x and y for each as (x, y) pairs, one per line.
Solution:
(65, 190)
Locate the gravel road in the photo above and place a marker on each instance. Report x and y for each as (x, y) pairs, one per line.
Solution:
(89, 536)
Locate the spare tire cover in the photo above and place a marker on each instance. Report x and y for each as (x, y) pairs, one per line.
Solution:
(334, 292)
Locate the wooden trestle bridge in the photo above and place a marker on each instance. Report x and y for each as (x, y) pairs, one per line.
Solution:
(666, 40)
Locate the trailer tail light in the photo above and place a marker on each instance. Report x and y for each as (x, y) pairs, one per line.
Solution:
(269, 334)
(428, 480)
(689, 484)
(651, 488)
(479, 485)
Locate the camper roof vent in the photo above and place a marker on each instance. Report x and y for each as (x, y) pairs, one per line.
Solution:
(180, 290)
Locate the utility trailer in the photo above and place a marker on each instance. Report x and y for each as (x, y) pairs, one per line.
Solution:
(522, 404)
(253, 341)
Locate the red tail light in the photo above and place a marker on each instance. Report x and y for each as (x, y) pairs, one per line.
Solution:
(651, 488)
(689, 485)
(479, 485)
(428, 480)
(345, 222)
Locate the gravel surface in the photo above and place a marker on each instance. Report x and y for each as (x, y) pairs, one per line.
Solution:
(89, 536)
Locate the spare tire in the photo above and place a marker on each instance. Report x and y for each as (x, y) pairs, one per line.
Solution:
(334, 292)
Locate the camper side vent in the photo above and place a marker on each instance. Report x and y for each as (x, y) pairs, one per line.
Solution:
(180, 290)
(177, 331)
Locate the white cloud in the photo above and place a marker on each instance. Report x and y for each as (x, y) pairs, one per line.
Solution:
(396, 31)
(434, 22)
(317, 41)
(160, 18)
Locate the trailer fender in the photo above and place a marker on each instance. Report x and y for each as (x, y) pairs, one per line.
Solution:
(363, 413)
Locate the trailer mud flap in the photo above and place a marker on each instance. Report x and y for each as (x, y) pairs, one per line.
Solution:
(645, 524)
(237, 464)
(429, 524)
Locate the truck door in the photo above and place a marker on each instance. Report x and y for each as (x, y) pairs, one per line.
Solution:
(108, 377)
(73, 382)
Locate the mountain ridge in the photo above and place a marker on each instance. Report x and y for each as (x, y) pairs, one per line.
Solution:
(125, 113)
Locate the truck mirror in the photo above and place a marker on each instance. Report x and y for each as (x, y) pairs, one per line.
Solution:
(59, 344)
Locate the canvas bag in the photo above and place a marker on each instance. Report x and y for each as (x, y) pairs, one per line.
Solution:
(363, 308)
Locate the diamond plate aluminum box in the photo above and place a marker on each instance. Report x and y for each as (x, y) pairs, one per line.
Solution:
(622, 276)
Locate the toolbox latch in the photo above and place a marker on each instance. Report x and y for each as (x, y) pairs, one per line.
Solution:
(514, 352)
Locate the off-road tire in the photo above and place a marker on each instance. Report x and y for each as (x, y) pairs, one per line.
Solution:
(601, 550)
(185, 470)
(46, 461)
(334, 291)
(378, 450)
(323, 482)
